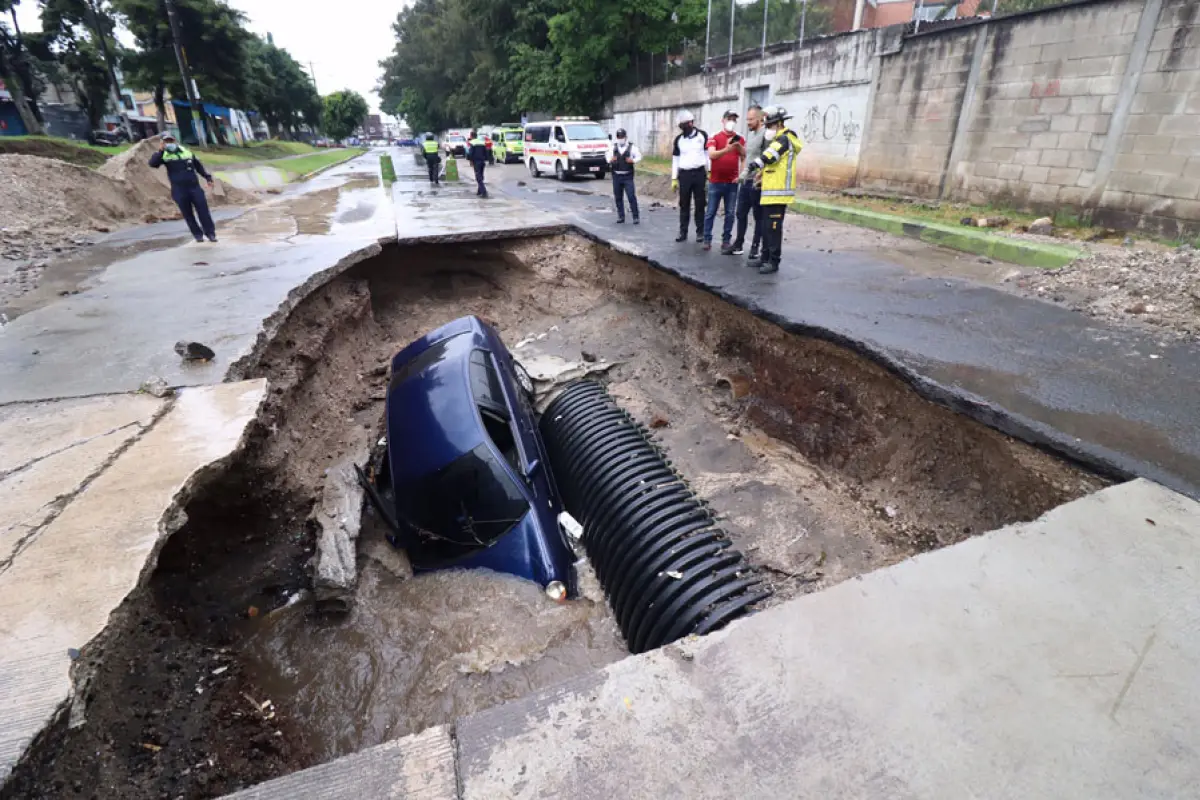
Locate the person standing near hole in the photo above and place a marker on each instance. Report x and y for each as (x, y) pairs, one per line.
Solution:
(477, 154)
(182, 169)
(432, 159)
(749, 192)
(623, 156)
(689, 172)
(778, 166)
(725, 150)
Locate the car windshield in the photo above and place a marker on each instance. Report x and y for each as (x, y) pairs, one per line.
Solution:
(456, 139)
(514, 136)
(473, 499)
(585, 131)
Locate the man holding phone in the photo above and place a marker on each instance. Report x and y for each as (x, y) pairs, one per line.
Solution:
(725, 151)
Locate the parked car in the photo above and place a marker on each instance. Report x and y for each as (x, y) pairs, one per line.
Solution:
(456, 145)
(464, 480)
(108, 138)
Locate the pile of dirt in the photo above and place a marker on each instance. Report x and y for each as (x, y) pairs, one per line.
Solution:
(152, 185)
(47, 147)
(1159, 288)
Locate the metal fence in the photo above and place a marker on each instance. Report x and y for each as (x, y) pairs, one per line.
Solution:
(741, 26)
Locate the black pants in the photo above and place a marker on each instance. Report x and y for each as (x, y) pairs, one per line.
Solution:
(434, 162)
(772, 238)
(622, 187)
(192, 203)
(482, 190)
(691, 188)
(749, 208)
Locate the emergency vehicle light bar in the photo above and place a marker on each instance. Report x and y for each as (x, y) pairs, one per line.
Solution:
(568, 119)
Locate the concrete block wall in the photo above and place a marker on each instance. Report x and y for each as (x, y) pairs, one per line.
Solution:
(1046, 91)
(917, 100)
(1155, 178)
(825, 85)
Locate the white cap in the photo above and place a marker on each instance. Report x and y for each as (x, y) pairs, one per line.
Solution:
(684, 116)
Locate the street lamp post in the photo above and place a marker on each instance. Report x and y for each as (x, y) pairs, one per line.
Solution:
(189, 86)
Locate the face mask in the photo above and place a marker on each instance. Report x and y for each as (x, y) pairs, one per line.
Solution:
(172, 147)
(621, 142)
(730, 125)
(769, 134)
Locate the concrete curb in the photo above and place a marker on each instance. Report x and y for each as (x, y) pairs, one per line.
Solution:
(968, 240)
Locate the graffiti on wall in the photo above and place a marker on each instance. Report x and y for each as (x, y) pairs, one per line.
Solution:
(830, 124)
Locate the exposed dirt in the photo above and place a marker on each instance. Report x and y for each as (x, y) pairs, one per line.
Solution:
(53, 148)
(821, 464)
(1157, 287)
(49, 208)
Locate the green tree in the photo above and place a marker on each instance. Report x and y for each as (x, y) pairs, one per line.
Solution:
(16, 69)
(280, 89)
(63, 22)
(343, 112)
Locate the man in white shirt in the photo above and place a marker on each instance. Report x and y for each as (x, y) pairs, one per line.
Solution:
(622, 157)
(689, 173)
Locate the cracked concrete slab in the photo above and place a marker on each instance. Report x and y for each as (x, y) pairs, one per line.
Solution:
(1054, 658)
(48, 452)
(417, 767)
(60, 590)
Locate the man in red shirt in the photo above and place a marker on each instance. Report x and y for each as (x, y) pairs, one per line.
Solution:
(725, 152)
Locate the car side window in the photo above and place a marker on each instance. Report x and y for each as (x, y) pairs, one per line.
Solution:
(559, 135)
(496, 416)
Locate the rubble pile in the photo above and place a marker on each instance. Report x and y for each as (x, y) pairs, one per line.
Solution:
(1159, 288)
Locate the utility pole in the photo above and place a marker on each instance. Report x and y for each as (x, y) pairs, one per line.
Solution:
(763, 54)
(189, 86)
(114, 86)
(707, 33)
(803, 18)
(732, 6)
(312, 73)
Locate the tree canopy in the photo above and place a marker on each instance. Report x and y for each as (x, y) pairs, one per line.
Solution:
(343, 112)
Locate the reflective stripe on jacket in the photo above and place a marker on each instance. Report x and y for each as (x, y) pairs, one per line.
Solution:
(779, 170)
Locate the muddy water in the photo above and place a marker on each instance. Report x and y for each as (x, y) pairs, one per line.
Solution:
(421, 651)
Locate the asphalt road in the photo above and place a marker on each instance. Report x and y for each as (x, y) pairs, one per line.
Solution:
(1117, 399)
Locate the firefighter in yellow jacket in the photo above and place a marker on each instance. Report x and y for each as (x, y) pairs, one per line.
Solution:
(778, 165)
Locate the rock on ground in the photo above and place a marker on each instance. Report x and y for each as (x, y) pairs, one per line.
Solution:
(1159, 288)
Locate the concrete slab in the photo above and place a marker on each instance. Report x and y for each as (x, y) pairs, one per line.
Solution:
(59, 591)
(417, 767)
(121, 329)
(452, 212)
(1055, 659)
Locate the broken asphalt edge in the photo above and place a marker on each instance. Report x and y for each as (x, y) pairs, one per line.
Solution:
(967, 240)
(1096, 458)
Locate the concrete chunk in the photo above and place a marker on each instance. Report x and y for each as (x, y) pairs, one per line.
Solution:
(417, 767)
(338, 517)
(58, 593)
(1009, 665)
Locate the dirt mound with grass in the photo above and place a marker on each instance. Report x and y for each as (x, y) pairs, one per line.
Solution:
(61, 149)
(45, 195)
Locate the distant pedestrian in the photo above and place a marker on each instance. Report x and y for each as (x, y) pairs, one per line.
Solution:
(725, 154)
(778, 165)
(182, 169)
(623, 156)
(689, 171)
(749, 192)
(477, 154)
(433, 160)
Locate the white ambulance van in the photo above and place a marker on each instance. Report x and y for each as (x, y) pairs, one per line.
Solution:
(566, 146)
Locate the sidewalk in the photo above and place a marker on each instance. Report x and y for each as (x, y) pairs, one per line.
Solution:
(1119, 400)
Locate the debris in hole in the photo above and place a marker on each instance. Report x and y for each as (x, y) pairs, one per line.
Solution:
(890, 511)
(194, 351)
(588, 357)
(659, 421)
(156, 386)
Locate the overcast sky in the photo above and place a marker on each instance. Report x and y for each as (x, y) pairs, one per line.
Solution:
(344, 42)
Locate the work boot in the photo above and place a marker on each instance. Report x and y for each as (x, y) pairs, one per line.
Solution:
(200, 239)
(682, 237)
(213, 238)
(753, 262)
(699, 238)
(768, 268)
(620, 220)
(637, 221)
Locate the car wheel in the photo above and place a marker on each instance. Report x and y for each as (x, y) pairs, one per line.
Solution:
(533, 168)
(600, 175)
(559, 172)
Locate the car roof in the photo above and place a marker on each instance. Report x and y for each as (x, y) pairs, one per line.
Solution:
(431, 415)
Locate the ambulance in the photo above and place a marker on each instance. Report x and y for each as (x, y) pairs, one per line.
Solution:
(510, 143)
(566, 146)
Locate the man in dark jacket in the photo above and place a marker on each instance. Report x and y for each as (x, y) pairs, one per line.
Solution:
(182, 169)
(477, 154)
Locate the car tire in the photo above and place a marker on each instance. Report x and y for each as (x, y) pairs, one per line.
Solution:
(533, 168)
(559, 172)
(600, 175)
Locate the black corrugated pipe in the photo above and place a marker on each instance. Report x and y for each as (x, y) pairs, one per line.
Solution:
(666, 568)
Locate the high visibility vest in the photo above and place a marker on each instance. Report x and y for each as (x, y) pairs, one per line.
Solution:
(779, 170)
(475, 142)
(182, 154)
(430, 146)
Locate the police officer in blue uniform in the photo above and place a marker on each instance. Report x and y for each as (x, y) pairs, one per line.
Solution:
(182, 169)
(477, 154)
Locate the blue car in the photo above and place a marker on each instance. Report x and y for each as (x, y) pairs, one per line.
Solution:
(465, 481)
